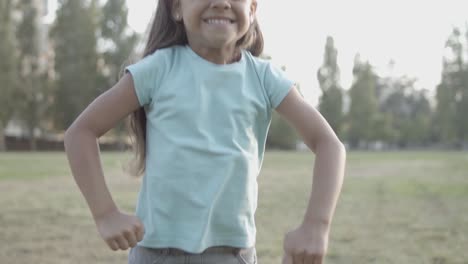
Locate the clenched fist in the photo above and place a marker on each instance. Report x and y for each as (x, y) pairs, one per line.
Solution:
(119, 230)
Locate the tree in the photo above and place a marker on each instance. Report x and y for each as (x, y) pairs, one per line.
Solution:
(33, 79)
(408, 110)
(419, 122)
(281, 135)
(331, 100)
(8, 68)
(118, 43)
(452, 94)
(119, 40)
(462, 96)
(74, 36)
(363, 114)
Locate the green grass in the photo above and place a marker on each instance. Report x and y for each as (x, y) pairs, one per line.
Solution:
(395, 207)
(43, 165)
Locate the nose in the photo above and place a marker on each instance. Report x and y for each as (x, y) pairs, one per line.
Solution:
(221, 4)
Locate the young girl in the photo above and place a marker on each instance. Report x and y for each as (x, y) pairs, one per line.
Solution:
(201, 101)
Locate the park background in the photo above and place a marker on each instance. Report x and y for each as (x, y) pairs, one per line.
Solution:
(390, 77)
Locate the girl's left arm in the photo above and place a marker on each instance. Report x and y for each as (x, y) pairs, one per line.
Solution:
(309, 242)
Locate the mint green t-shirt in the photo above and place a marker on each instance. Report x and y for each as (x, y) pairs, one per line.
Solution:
(206, 131)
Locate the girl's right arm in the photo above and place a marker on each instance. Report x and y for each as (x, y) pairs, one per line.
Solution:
(119, 230)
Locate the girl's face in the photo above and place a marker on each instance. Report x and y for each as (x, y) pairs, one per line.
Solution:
(215, 24)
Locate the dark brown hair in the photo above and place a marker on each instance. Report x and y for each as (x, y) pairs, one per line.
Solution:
(165, 32)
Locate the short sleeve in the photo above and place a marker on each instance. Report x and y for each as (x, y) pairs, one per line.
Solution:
(146, 75)
(277, 85)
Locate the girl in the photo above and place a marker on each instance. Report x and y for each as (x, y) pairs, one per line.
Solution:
(201, 103)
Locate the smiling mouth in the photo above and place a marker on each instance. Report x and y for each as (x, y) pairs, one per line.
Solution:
(219, 21)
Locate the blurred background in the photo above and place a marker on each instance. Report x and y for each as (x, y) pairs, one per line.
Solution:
(391, 77)
(384, 74)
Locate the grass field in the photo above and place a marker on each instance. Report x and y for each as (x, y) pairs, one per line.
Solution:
(398, 207)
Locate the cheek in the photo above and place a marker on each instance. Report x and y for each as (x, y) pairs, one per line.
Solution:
(192, 25)
(247, 16)
(243, 20)
(192, 18)
(245, 25)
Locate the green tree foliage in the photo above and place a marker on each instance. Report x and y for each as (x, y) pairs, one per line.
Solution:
(363, 115)
(74, 36)
(118, 40)
(33, 80)
(408, 111)
(281, 135)
(8, 67)
(331, 100)
(452, 93)
(118, 43)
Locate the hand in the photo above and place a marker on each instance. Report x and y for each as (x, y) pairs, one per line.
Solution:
(306, 245)
(119, 230)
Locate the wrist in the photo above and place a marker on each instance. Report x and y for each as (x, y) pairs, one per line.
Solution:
(320, 225)
(104, 213)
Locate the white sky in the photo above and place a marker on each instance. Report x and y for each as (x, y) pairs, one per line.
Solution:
(413, 33)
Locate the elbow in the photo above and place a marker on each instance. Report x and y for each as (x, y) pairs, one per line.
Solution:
(75, 135)
(341, 148)
(332, 143)
(68, 136)
(68, 133)
(335, 143)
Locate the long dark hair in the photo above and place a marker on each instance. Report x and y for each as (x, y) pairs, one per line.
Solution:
(165, 32)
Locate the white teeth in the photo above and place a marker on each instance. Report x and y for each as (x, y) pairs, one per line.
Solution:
(218, 21)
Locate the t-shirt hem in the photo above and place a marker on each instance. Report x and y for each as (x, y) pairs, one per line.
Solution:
(188, 245)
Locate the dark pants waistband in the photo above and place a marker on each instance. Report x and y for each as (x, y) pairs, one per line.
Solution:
(211, 250)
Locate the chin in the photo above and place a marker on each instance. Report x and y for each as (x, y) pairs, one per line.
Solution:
(221, 43)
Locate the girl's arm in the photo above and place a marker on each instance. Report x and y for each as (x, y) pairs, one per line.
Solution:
(310, 241)
(82, 150)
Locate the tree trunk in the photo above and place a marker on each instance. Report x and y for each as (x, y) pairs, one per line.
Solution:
(32, 140)
(2, 138)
